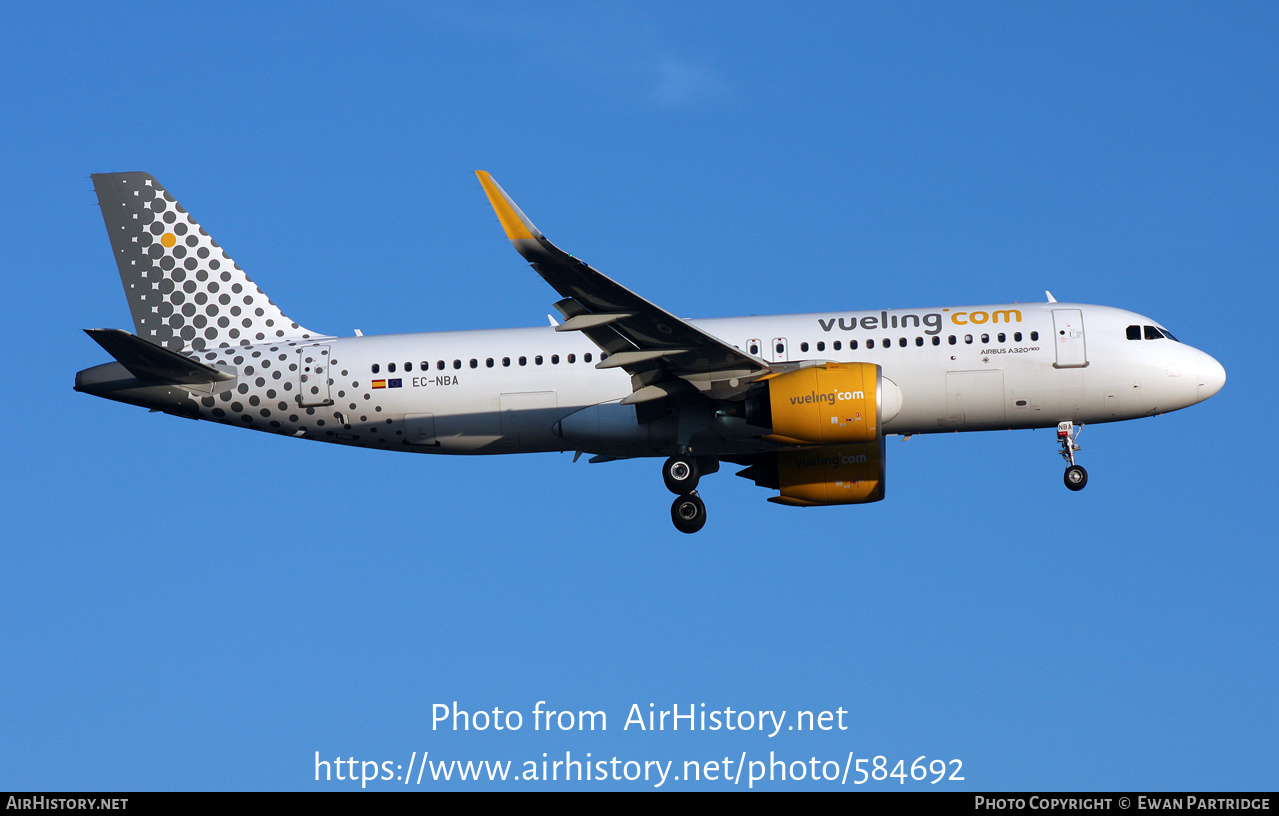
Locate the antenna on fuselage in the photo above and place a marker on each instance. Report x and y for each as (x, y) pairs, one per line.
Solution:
(1051, 299)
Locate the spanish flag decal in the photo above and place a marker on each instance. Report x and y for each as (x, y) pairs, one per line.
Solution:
(379, 383)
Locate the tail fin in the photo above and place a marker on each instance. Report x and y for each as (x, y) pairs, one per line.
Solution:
(185, 293)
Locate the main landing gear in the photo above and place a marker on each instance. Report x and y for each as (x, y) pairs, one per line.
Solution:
(681, 474)
(1076, 477)
(688, 513)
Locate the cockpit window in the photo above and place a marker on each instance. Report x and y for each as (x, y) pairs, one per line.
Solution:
(1150, 333)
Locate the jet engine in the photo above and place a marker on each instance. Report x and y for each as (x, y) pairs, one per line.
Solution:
(835, 411)
(824, 404)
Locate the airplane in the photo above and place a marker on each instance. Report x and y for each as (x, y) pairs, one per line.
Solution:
(803, 403)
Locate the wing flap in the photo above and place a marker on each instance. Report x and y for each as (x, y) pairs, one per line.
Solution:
(590, 321)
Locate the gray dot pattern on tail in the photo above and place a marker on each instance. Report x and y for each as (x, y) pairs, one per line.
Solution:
(184, 291)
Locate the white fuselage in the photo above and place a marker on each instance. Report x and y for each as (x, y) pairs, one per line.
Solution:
(504, 391)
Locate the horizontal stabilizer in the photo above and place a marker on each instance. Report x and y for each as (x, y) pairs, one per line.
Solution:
(147, 361)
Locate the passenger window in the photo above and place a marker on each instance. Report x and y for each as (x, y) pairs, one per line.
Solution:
(781, 348)
(803, 346)
(457, 363)
(408, 366)
(1034, 335)
(852, 344)
(836, 346)
(475, 363)
(555, 359)
(376, 368)
(489, 362)
(1134, 332)
(586, 358)
(919, 341)
(936, 340)
(1016, 337)
(901, 341)
(439, 364)
(968, 339)
(821, 345)
(1002, 337)
(985, 338)
(390, 368)
(506, 362)
(754, 349)
(538, 359)
(951, 340)
(572, 358)
(523, 361)
(870, 344)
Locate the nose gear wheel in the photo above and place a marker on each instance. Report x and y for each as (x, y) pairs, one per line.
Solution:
(1076, 477)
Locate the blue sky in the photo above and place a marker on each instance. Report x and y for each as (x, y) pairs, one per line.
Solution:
(187, 606)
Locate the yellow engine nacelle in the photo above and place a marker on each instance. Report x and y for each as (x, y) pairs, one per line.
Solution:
(837, 474)
(835, 411)
(827, 404)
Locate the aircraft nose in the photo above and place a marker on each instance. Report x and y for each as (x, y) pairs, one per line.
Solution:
(1211, 376)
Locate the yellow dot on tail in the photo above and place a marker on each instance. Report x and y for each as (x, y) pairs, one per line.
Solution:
(168, 239)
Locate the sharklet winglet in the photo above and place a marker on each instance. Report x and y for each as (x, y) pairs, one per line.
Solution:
(514, 221)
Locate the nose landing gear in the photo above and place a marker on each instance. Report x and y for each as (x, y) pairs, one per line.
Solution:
(1075, 477)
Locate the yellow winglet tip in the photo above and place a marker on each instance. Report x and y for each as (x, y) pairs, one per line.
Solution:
(513, 221)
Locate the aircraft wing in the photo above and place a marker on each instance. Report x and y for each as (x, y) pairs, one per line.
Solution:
(662, 353)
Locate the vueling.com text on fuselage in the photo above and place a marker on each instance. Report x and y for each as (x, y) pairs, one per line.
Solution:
(931, 322)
